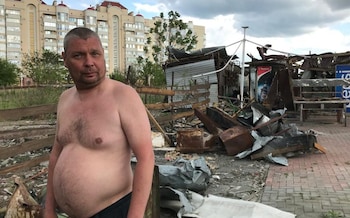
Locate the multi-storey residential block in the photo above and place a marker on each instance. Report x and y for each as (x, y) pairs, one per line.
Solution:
(32, 25)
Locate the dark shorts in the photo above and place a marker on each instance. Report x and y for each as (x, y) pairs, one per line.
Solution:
(117, 210)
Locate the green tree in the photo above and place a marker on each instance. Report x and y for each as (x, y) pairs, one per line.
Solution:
(119, 76)
(8, 73)
(45, 67)
(152, 74)
(170, 32)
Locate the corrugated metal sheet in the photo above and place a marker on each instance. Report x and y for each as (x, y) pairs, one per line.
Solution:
(183, 74)
(213, 95)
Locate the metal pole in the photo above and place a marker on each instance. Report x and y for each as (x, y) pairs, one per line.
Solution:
(242, 68)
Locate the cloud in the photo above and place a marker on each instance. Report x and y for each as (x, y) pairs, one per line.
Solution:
(269, 17)
(296, 26)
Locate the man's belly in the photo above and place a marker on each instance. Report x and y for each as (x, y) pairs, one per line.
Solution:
(86, 181)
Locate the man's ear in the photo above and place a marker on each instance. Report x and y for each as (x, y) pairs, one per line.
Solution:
(63, 55)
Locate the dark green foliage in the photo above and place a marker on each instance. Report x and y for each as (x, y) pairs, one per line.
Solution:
(45, 68)
(8, 73)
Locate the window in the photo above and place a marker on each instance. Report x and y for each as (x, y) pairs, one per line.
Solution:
(48, 16)
(50, 24)
(2, 10)
(13, 29)
(62, 16)
(80, 22)
(90, 20)
(12, 20)
(13, 12)
(72, 20)
(13, 38)
(62, 27)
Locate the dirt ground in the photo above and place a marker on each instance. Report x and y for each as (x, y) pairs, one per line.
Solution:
(231, 177)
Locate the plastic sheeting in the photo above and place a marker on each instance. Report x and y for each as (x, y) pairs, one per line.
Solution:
(185, 174)
(192, 204)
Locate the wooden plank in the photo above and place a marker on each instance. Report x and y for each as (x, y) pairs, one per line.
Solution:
(18, 113)
(320, 82)
(25, 165)
(26, 146)
(182, 115)
(153, 208)
(165, 106)
(19, 133)
(159, 106)
(155, 91)
(339, 101)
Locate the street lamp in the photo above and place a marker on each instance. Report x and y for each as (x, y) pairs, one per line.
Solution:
(242, 68)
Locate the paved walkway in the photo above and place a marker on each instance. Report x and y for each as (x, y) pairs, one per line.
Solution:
(314, 184)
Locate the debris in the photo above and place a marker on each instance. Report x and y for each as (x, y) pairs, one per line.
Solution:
(236, 139)
(158, 140)
(190, 140)
(22, 204)
(192, 204)
(185, 174)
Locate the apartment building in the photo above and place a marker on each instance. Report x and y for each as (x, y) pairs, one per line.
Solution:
(31, 25)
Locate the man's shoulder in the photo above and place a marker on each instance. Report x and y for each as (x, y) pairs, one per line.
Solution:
(119, 86)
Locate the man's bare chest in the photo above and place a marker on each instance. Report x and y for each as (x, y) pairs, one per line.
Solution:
(87, 128)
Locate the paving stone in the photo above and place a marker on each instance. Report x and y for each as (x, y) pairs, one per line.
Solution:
(314, 183)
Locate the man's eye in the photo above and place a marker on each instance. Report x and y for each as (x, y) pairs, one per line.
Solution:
(95, 54)
(77, 56)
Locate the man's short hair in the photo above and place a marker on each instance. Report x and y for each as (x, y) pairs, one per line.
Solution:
(81, 33)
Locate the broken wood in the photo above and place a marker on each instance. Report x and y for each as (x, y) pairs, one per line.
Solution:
(160, 129)
(22, 204)
(320, 147)
(155, 91)
(25, 165)
(20, 133)
(26, 146)
(18, 113)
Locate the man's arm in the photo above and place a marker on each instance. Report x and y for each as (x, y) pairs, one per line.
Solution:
(136, 126)
(50, 202)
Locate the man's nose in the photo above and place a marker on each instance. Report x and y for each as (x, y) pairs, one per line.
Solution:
(89, 61)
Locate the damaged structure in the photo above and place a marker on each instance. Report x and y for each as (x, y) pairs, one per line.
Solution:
(208, 65)
(273, 84)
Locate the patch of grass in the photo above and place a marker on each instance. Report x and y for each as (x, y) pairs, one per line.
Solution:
(25, 97)
(332, 214)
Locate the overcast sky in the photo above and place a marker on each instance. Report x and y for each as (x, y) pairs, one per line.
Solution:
(291, 26)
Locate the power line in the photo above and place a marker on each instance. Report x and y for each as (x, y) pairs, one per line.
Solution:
(215, 71)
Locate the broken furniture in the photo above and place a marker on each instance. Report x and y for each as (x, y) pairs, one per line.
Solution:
(320, 94)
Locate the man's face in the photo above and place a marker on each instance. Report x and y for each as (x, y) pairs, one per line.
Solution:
(85, 62)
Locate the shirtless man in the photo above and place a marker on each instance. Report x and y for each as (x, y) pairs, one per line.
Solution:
(100, 123)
